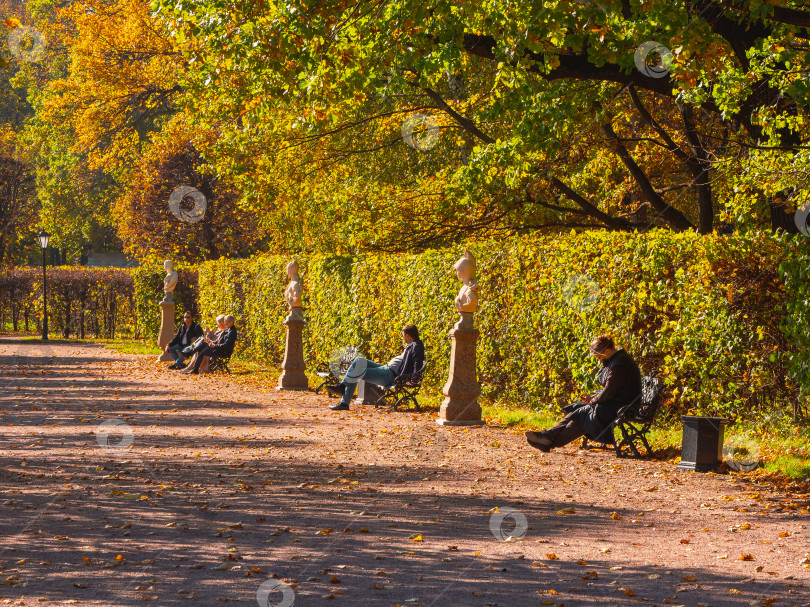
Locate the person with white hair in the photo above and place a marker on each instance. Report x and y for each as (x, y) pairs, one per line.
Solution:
(199, 344)
(223, 348)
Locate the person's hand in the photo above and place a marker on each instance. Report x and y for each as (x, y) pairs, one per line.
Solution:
(586, 399)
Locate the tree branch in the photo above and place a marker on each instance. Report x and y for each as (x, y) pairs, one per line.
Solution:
(465, 123)
(671, 215)
(588, 208)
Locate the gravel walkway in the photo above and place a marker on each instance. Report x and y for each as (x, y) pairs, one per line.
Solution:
(122, 483)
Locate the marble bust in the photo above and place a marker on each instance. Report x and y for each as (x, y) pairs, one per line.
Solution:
(294, 291)
(467, 299)
(169, 281)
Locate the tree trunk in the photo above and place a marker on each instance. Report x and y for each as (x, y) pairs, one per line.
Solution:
(699, 166)
(780, 220)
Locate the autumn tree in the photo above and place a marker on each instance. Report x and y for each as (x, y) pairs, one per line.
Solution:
(107, 84)
(547, 119)
(16, 191)
(153, 229)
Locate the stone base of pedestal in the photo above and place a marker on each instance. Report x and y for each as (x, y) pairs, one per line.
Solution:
(167, 328)
(367, 393)
(293, 376)
(460, 406)
(460, 422)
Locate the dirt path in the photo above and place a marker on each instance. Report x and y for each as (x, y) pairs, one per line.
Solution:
(225, 490)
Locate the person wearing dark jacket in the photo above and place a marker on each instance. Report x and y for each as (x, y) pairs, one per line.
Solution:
(211, 337)
(409, 361)
(223, 347)
(621, 381)
(187, 332)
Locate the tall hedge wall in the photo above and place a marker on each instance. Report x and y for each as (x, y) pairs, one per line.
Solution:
(708, 313)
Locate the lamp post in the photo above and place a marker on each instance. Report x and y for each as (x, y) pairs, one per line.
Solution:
(42, 238)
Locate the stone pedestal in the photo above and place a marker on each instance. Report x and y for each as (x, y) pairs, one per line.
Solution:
(293, 376)
(167, 328)
(461, 407)
(367, 393)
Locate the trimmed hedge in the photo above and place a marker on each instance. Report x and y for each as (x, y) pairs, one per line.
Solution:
(104, 302)
(722, 319)
(703, 311)
(80, 300)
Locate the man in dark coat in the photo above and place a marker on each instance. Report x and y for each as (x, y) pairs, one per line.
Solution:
(409, 361)
(187, 332)
(621, 381)
(223, 347)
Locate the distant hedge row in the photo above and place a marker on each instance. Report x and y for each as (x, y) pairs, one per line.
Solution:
(81, 301)
(84, 302)
(711, 314)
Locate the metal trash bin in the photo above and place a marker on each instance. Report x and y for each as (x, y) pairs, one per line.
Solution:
(702, 444)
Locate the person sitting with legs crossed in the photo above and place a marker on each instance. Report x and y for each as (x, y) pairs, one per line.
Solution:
(621, 381)
(223, 347)
(187, 332)
(214, 336)
(409, 361)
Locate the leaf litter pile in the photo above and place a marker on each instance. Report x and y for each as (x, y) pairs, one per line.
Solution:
(126, 484)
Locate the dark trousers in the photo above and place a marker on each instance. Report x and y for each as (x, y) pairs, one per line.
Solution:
(176, 352)
(568, 429)
(206, 351)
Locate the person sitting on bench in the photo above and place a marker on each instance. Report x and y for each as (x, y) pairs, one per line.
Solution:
(621, 379)
(223, 347)
(187, 332)
(194, 349)
(409, 361)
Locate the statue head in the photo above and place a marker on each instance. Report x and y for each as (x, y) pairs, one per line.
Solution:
(465, 266)
(292, 268)
(168, 265)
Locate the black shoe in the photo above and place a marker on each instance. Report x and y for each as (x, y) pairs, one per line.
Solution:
(339, 389)
(538, 442)
(339, 407)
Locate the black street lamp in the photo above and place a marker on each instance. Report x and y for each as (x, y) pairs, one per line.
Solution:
(42, 238)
